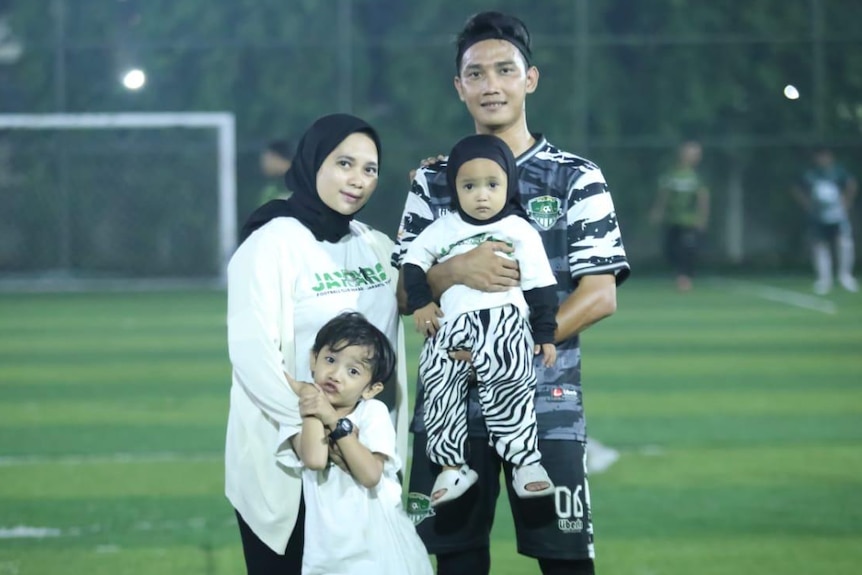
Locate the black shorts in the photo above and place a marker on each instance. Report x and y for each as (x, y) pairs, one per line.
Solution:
(554, 527)
(829, 232)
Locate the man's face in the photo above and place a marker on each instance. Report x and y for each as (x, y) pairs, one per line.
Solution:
(494, 83)
(823, 158)
(272, 165)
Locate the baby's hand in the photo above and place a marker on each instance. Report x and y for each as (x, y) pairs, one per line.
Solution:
(549, 350)
(426, 319)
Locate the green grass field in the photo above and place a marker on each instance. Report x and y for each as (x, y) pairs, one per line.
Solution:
(739, 419)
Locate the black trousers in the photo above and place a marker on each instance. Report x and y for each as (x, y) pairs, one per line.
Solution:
(261, 560)
(681, 248)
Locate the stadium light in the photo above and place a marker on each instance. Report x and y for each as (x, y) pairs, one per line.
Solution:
(134, 79)
(790, 92)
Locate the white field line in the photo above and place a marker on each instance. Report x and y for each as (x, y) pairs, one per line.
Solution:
(28, 532)
(166, 457)
(190, 524)
(780, 295)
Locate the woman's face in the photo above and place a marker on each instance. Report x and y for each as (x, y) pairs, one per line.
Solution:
(348, 175)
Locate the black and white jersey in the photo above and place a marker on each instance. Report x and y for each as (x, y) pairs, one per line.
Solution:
(569, 204)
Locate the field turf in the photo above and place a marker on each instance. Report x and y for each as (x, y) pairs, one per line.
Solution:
(737, 408)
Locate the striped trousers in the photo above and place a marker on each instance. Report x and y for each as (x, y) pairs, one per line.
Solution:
(502, 349)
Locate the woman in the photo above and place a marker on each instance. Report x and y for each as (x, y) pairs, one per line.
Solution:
(300, 263)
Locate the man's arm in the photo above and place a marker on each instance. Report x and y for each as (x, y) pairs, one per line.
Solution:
(480, 268)
(594, 299)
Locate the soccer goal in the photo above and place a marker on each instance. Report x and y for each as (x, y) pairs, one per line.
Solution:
(147, 198)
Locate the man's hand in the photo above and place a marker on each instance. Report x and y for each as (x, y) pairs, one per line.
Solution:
(549, 351)
(427, 319)
(484, 270)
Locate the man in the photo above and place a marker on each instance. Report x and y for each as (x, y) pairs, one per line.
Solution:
(827, 191)
(569, 204)
(275, 161)
(682, 205)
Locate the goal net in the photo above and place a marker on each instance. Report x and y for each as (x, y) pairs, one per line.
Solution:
(99, 198)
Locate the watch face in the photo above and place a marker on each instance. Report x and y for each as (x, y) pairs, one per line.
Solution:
(345, 424)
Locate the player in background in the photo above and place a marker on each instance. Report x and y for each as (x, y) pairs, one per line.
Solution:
(826, 191)
(682, 206)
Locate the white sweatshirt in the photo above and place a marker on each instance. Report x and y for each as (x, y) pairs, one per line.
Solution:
(283, 285)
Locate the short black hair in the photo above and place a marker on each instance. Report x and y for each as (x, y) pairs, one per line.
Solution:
(492, 24)
(351, 328)
(283, 148)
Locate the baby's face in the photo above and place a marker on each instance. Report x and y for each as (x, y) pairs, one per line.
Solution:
(481, 185)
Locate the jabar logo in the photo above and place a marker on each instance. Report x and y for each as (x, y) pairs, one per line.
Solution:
(419, 507)
(545, 211)
(345, 279)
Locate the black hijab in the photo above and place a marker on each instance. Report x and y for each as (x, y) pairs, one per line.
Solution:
(305, 204)
(492, 148)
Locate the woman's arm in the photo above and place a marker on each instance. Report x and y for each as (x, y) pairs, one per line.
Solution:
(254, 323)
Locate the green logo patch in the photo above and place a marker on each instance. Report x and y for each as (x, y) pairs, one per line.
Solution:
(545, 211)
(419, 507)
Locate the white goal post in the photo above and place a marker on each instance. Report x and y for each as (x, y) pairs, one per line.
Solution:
(223, 122)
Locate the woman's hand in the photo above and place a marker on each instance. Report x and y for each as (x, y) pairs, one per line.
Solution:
(427, 320)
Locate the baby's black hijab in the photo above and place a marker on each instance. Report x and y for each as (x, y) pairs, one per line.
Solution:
(305, 204)
(492, 148)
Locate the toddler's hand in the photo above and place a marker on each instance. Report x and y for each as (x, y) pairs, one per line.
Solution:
(426, 319)
(549, 351)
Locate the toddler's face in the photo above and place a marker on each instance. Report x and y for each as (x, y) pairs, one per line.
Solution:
(481, 185)
(345, 375)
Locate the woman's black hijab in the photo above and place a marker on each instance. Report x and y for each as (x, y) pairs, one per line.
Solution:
(492, 148)
(305, 204)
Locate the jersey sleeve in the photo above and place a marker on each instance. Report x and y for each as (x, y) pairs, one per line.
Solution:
(593, 234)
(417, 216)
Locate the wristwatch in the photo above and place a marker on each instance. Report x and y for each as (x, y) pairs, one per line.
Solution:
(343, 428)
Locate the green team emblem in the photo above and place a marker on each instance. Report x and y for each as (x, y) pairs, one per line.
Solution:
(419, 507)
(545, 211)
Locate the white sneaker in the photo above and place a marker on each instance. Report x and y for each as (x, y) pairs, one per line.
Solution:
(822, 287)
(848, 283)
(600, 457)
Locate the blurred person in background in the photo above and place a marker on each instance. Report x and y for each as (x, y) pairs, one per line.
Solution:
(568, 202)
(826, 191)
(300, 262)
(275, 160)
(682, 206)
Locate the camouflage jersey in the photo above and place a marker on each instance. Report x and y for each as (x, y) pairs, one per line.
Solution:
(568, 203)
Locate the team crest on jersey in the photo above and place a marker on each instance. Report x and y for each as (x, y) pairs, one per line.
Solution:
(419, 507)
(545, 211)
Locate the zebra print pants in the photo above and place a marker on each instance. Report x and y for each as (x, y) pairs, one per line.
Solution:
(502, 349)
